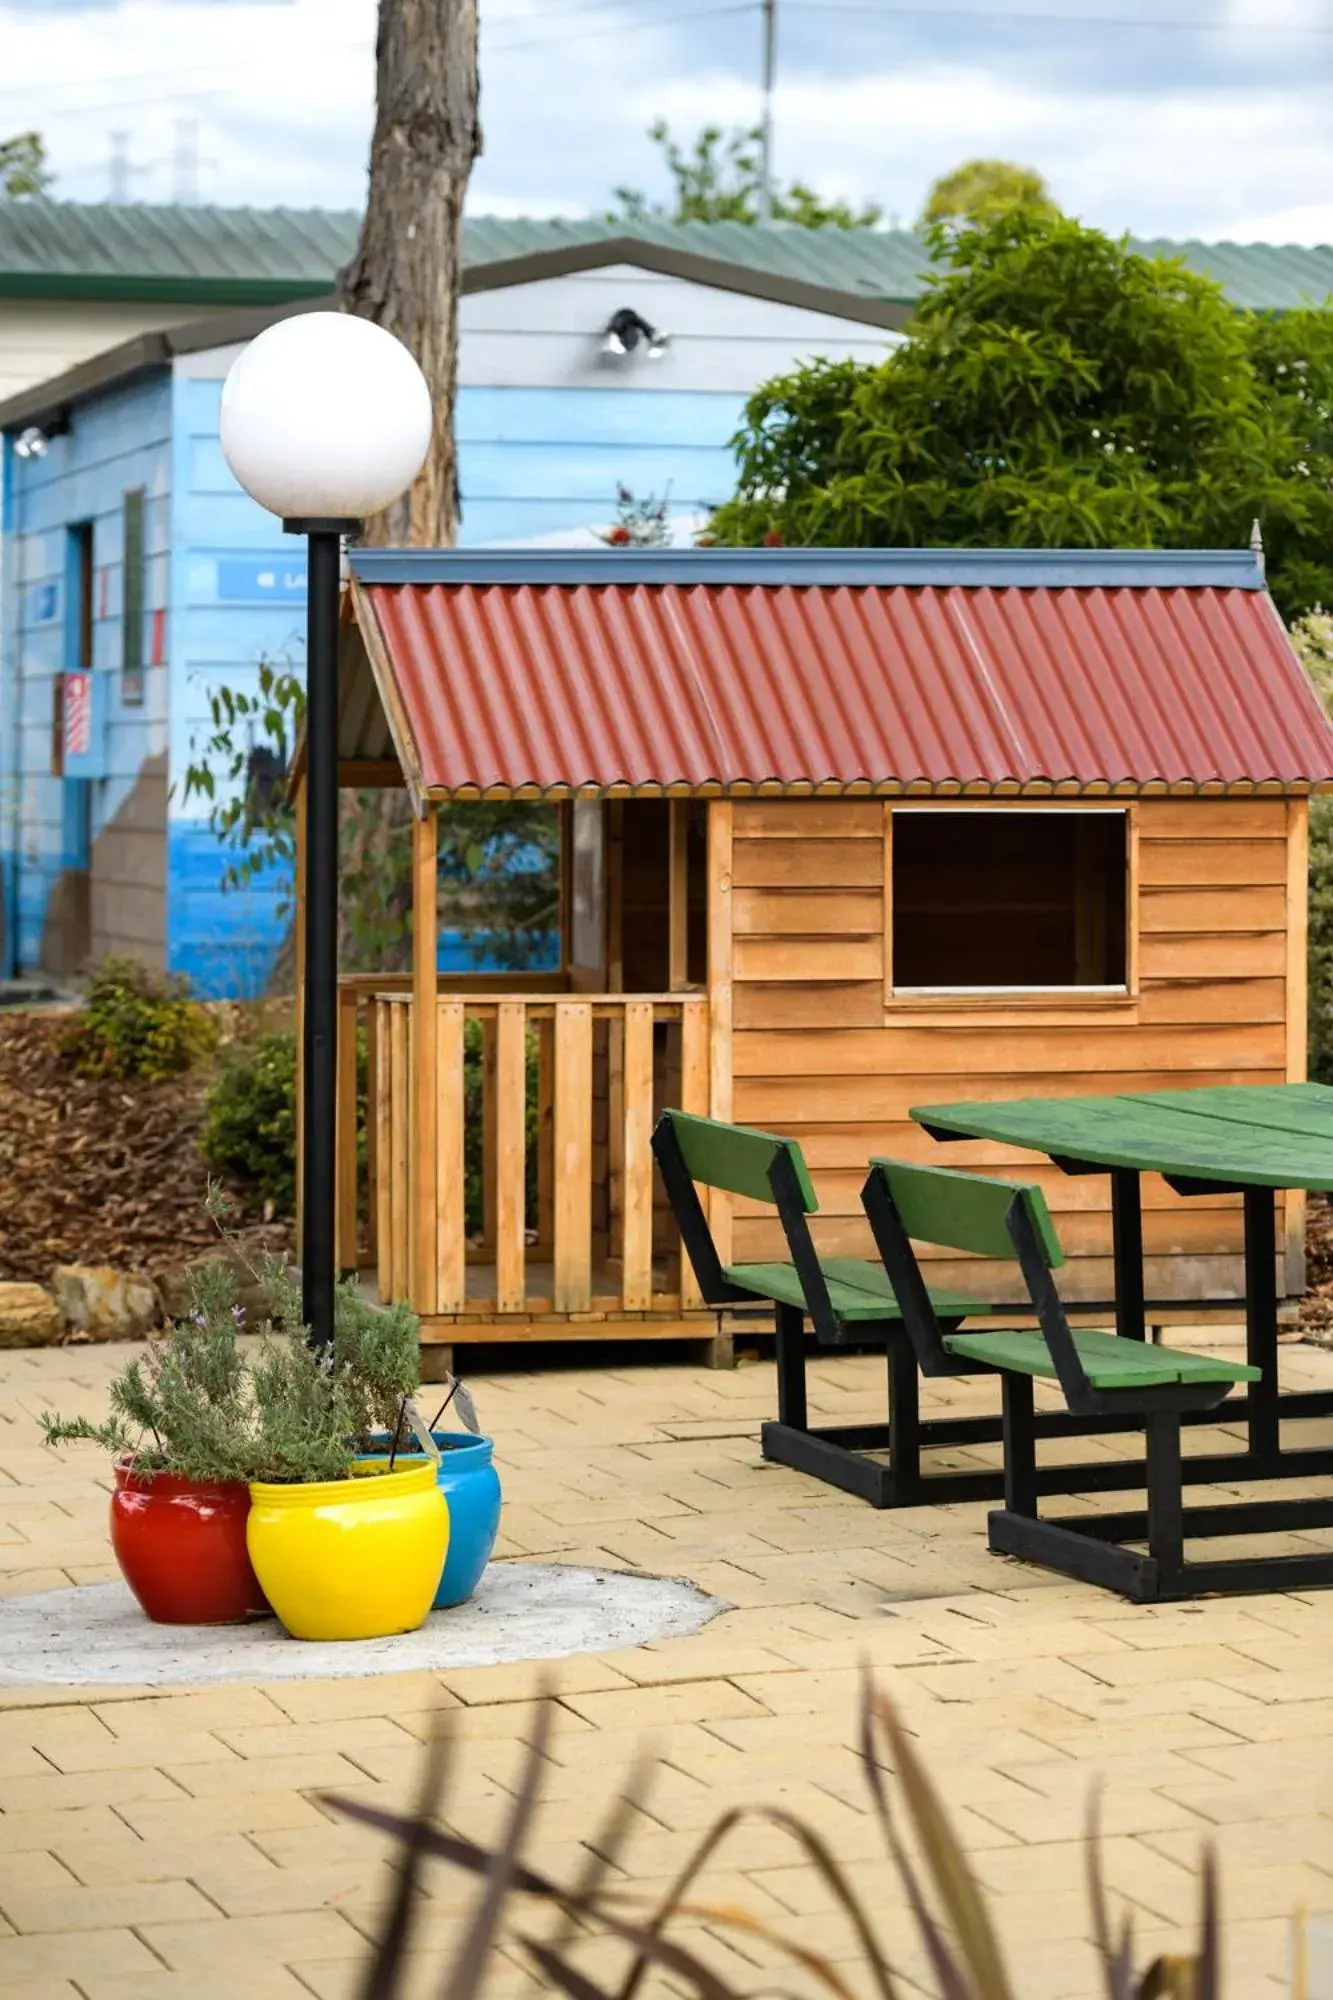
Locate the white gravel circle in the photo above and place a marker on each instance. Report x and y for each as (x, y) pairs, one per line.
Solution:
(95, 1635)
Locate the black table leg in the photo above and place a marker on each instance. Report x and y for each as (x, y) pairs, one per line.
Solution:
(1127, 1248)
(1261, 1317)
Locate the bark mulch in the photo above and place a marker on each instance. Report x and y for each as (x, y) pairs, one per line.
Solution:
(94, 1171)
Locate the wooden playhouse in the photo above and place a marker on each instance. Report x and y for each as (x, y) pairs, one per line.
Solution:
(841, 832)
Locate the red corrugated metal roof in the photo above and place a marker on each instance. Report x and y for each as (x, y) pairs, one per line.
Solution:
(558, 685)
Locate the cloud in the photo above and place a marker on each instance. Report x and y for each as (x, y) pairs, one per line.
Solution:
(1216, 134)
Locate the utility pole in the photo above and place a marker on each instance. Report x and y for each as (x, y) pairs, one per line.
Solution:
(118, 168)
(121, 169)
(770, 10)
(185, 162)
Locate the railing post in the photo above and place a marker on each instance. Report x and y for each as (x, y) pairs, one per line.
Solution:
(693, 1097)
(400, 1162)
(345, 1248)
(384, 1153)
(451, 1183)
(637, 1159)
(511, 1107)
(372, 1130)
(424, 1078)
(572, 1246)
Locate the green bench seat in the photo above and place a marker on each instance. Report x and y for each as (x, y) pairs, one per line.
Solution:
(857, 1290)
(1108, 1361)
(1100, 1374)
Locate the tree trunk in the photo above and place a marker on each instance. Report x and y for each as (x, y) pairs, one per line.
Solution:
(405, 274)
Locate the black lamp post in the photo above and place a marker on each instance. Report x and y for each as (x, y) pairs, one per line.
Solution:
(319, 1036)
(326, 419)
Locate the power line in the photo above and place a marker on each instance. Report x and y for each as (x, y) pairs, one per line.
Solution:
(630, 27)
(886, 17)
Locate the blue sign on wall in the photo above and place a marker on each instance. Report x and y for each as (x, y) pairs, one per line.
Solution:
(261, 579)
(43, 602)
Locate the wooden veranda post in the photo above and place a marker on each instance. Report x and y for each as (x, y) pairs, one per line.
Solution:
(424, 1075)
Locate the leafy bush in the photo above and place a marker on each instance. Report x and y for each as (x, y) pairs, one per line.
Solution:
(138, 1023)
(249, 1130)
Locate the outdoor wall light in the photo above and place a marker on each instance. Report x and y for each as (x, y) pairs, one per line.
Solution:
(33, 441)
(325, 418)
(626, 328)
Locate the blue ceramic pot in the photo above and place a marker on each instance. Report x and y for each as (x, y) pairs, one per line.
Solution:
(471, 1488)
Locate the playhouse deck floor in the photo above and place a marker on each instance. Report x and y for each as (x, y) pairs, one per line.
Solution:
(171, 1847)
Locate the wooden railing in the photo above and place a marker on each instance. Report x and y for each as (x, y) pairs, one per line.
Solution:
(542, 1170)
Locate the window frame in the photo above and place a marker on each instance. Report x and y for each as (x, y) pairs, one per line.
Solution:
(133, 595)
(1121, 995)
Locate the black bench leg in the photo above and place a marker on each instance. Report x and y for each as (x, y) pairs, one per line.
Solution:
(1166, 1531)
(904, 1421)
(1020, 1447)
(790, 1323)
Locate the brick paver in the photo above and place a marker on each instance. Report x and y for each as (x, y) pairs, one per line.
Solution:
(173, 1844)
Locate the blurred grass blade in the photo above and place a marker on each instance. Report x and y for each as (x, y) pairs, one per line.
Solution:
(465, 1975)
(729, 1916)
(958, 1893)
(1209, 1983)
(951, 1979)
(824, 1861)
(385, 1968)
(1117, 1961)
(565, 1977)
(603, 1849)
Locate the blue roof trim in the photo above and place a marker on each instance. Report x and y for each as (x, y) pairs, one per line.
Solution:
(978, 569)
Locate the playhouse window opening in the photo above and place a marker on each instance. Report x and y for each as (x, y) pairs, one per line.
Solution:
(499, 877)
(1006, 899)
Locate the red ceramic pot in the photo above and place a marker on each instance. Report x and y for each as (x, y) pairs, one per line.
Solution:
(181, 1548)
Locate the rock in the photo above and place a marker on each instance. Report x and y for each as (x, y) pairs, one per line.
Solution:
(105, 1303)
(29, 1316)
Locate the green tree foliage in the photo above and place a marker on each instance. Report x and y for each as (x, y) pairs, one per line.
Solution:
(23, 169)
(984, 190)
(718, 180)
(499, 861)
(1056, 390)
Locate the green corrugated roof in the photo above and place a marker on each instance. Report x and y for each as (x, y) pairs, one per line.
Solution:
(255, 256)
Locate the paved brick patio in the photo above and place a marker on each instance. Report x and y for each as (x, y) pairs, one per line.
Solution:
(169, 1847)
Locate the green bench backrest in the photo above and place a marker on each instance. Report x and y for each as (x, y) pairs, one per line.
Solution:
(965, 1211)
(735, 1158)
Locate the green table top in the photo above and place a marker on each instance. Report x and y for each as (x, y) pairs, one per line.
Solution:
(1242, 1135)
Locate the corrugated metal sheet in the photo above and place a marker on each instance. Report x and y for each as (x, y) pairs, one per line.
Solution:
(305, 248)
(599, 686)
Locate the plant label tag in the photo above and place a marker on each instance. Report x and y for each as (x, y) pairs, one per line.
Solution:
(467, 1410)
(420, 1429)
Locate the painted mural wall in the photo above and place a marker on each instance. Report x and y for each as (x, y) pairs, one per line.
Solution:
(548, 425)
(83, 856)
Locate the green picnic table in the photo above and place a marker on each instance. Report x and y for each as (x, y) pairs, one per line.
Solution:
(1247, 1139)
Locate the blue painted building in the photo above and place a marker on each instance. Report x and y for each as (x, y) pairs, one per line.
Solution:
(138, 578)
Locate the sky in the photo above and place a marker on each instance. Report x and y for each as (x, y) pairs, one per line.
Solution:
(1175, 118)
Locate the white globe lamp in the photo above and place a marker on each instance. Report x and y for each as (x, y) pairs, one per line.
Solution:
(325, 419)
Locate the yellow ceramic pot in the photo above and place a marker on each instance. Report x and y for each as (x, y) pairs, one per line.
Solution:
(354, 1558)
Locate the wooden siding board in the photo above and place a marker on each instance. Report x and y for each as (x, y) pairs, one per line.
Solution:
(819, 1051)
